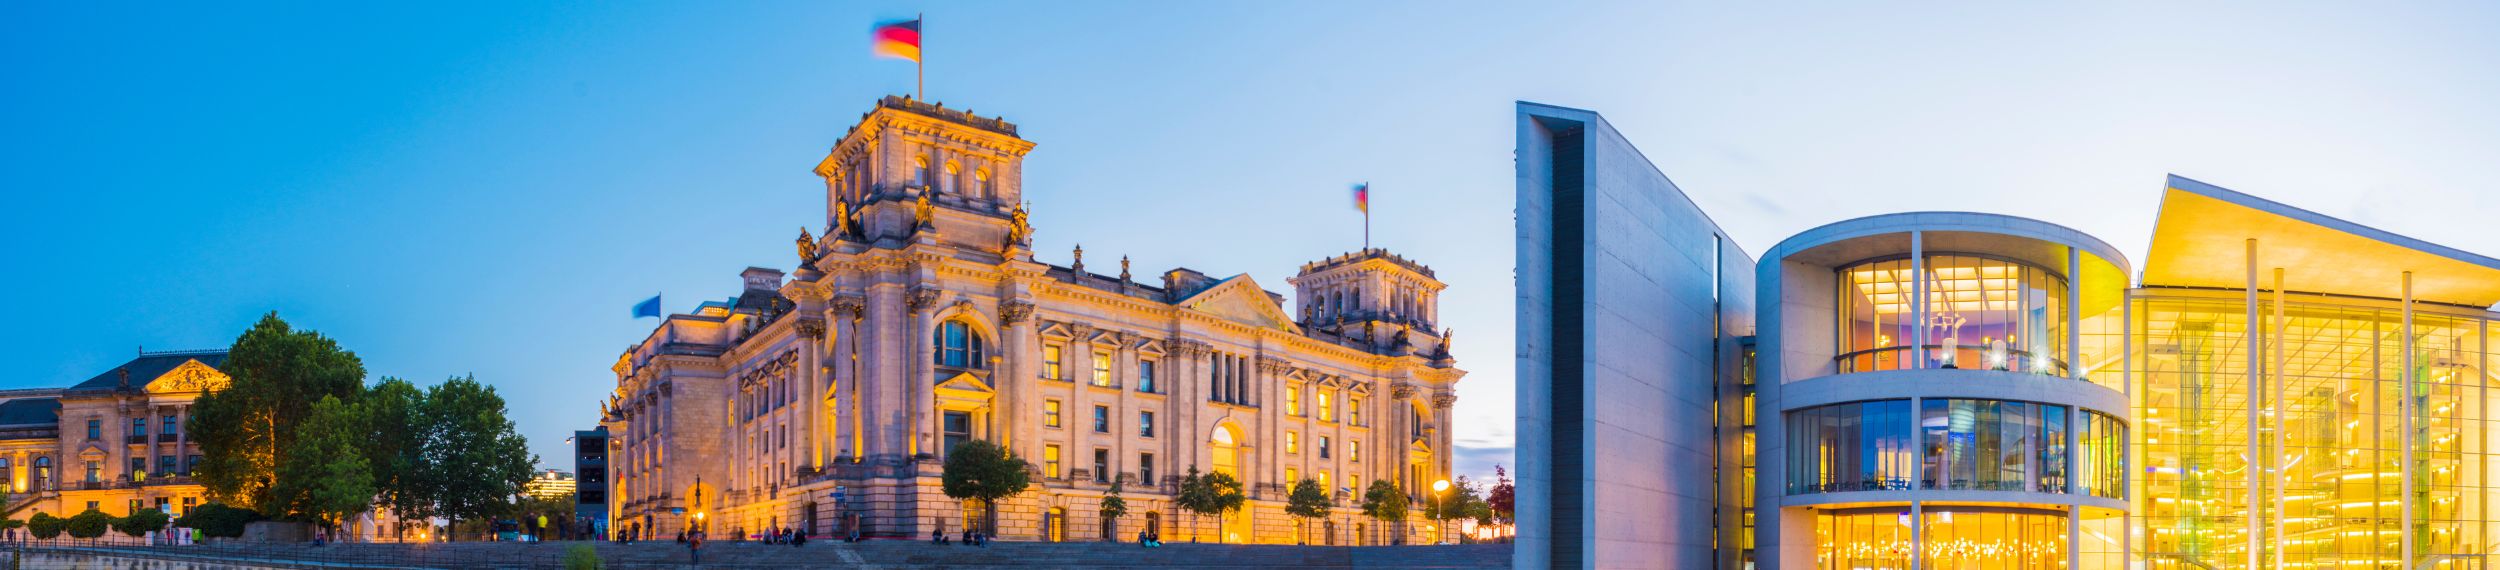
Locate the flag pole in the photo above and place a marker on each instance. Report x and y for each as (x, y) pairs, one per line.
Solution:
(919, 73)
(1367, 216)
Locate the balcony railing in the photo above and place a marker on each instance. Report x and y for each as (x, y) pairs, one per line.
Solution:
(139, 439)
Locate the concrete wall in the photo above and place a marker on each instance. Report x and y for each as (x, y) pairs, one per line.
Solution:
(1623, 284)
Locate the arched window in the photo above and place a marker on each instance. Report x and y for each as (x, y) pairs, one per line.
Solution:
(920, 171)
(946, 185)
(959, 346)
(981, 183)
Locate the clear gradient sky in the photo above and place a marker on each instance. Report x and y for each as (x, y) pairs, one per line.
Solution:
(487, 188)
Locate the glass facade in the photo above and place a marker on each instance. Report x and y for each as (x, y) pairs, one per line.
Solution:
(1982, 312)
(1859, 446)
(2370, 432)
(1957, 538)
(1990, 445)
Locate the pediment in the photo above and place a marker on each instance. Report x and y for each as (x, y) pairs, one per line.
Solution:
(1057, 330)
(966, 382)
(91, 452)
(1332, 381)
(190, 376)
(1149, 346)
(1240, 300)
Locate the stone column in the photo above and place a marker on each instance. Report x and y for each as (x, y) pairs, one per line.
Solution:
(810, 407)
(848, 425)
(1013, 377)
(923, 377)
(1441, 401)
(884, 372)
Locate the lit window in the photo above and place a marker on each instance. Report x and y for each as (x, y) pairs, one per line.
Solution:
(960, 347)
(1050, 362)
(1292, 476)
(1326, 413)
(1293, 400)
(1354, 450)
(1102, 369)
(1050, 461)
(1293, 442)
(1354, 410)
(1050, 413)
(981, 183)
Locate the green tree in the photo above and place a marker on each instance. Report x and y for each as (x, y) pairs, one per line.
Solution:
(217, 520)
(395, 450)
(326, 475)
(1307, 502)
(1220, 493)
(1385, 503)
(245, 429)
(45, 526)
(89, 524)
(977, 470)
(474, 462)
(1194, 497)
(12, 524)
(1457, 503)
(141, 523)
(1113, 507)
(1499, 500)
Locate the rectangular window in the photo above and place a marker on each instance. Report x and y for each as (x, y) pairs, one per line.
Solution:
(1050, 461)
(1326, 413)
(1146, 469)
(1102, 419)
(1102, 465)
(1292, 477)
(1145, 424)
(170, 422)
(1145, 376)
(139, 427)
(135, 505)
(190, 464)
(187, 503)
(1354, 410)
(1050, 413)
(1050, 363)
(164, 465)
(1293, 442)
(138, 468)
(1102, 369)
(95, 473)
(1323, 483)
(95, 429)
(958, 429)
(1323, 447)
(1354, 450)
(1293, 399)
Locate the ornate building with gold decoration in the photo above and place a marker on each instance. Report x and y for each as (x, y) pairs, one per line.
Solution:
(827, 398)
(114, 443)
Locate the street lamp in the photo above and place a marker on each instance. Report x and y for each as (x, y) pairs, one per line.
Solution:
(1442, 507)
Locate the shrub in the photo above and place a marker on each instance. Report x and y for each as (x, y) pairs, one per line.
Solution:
(89, 524)
(217, 520)
(141, 523)
(582, 557)
(45, 526)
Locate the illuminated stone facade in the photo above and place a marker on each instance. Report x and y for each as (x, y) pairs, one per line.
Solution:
(114, 443)
(922, 319)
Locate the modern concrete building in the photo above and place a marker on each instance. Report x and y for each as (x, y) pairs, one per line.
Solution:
(2275, 388)
(590, 495)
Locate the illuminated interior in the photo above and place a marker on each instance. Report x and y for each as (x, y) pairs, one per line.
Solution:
(2370, 450)
(1983, 312)
(1954, 538)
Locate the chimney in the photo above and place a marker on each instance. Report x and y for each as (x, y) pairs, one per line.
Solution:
(762, 279)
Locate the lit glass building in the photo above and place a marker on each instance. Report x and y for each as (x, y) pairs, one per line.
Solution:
(2272, 388)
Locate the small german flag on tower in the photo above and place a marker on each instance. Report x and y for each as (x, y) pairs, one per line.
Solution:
(901, 39)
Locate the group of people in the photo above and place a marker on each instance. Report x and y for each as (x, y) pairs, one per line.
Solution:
(970, 537)
(1149, 538)
(789, 536)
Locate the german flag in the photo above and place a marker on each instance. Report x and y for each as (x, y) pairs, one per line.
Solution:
(898, 39)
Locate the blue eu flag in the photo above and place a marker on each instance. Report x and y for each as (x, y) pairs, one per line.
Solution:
(648, 308)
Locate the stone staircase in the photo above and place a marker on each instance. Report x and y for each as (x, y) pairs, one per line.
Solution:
(892, 554)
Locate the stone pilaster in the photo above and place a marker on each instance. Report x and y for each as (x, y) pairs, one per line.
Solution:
(848, 309)
(923, 377)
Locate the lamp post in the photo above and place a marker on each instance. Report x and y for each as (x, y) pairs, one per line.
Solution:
(1441, 507)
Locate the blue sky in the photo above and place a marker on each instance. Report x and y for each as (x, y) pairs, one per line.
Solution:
(485, 188)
